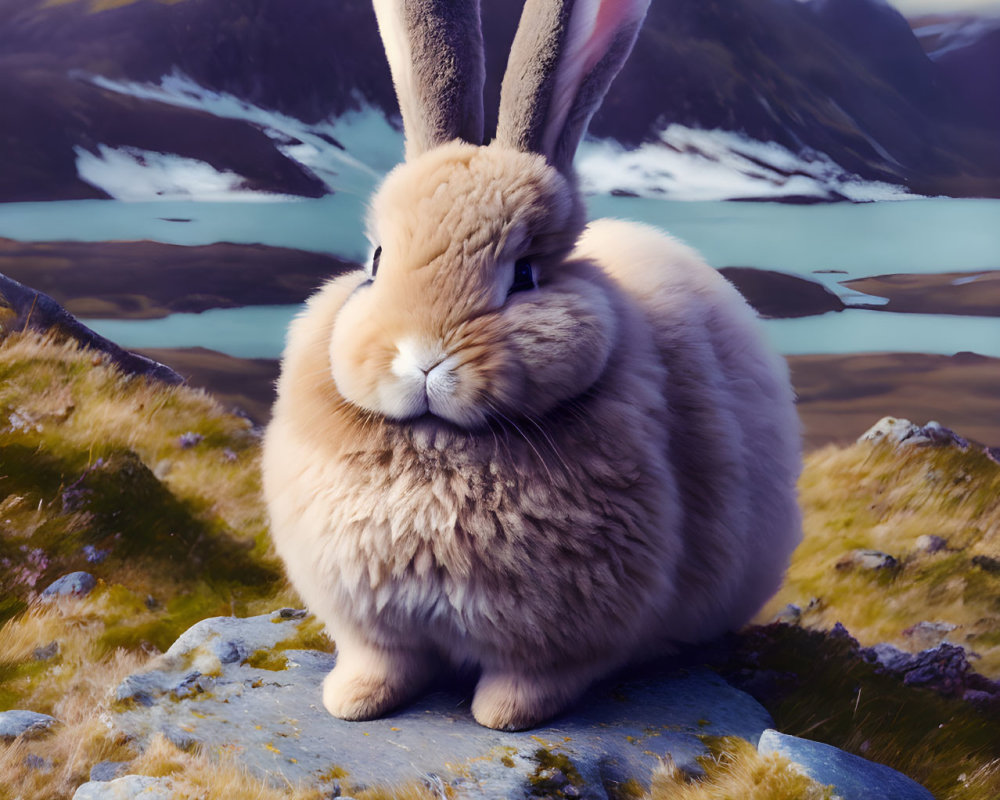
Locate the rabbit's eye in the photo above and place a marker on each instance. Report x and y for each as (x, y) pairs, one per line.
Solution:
(375, 260)
(524, 277)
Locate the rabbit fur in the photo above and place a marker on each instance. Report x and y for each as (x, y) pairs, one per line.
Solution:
(543, 480)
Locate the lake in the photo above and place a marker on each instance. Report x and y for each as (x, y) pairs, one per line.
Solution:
(855, 240)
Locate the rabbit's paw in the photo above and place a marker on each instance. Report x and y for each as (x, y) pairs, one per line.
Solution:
(514, 701)
(367, 685)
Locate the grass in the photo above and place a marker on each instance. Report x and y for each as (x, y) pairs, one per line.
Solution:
(818, 686)
(152, 489)
(734, 769)
(884, 498)
(155, 491)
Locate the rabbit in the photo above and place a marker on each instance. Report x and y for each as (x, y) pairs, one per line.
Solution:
(516, 443)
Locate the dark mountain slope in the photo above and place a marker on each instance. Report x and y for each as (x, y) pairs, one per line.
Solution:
(845, 77)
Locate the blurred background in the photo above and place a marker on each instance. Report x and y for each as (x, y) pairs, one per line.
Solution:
(181, 174)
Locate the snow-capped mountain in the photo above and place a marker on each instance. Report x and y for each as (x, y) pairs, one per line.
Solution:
(824, 99)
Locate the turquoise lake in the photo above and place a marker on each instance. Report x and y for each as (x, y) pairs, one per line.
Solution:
(854, 240)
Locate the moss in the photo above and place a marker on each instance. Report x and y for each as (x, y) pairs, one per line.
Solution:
(267, 659)
(310, 634)
(551, 763)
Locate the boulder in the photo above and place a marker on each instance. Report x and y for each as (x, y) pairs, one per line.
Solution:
(19, 722)
(228, 682)
(129, 787)
(852, 777)
(107, 770)
(75, 584)
(898, 431)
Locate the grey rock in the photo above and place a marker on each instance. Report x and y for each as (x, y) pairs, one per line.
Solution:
(928, 634)
(18, 722)
(898, 431)
(32, 761)
(790, 613)
(944, 668)
(619, 731)
(867, 559)
(929, 543)
(75, 584)
(128, 787)
(892, 658)
(51, 650)
(107, 770)
(852, 777)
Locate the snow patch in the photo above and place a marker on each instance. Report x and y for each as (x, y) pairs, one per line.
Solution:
(351, 154)
(348, 154)
(692, 164)
(132, 174)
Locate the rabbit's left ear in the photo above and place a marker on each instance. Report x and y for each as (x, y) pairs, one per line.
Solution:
(435, 52)
(564, 56)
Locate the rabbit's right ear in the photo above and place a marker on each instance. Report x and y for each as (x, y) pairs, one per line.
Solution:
(564, 56)
(435, 52)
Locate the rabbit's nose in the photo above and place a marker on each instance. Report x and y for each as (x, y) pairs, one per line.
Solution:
(416, 358)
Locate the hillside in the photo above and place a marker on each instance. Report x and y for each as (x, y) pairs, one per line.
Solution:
(153, 490)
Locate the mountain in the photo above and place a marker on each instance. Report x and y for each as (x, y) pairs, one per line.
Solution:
(842, 80)
(967, 52)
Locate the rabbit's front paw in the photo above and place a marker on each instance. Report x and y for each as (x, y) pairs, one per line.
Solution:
(514, 701)
(367, 683)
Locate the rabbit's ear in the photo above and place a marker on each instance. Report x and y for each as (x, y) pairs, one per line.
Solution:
(564, 56)
(435, 52)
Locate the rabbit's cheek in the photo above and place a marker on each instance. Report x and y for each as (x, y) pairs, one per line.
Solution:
(359, 357)
(562, 351)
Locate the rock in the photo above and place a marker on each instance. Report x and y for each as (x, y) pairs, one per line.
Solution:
(928, 634)
(107, 770)
(898, 431)
(889, 657)
(40, 312)
(929, 543)
(867, 559)
(129, 787)
(986, 563)
(790, 613)
(75, 584)
(276, 717)
(24, 723)
(51, 650)
(944, 668)
(852, 777)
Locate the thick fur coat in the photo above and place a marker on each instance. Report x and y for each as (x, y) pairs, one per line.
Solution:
(522, 446)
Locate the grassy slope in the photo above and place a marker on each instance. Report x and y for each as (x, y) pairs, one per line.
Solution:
(883, 498)
(79, 443)
(90, 458)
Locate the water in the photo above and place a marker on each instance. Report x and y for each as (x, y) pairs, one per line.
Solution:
(259, 332)
(916, 236)
(925, 236)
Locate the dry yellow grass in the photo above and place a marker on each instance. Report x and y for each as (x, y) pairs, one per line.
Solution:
(54, 386)
(200, 776)
(734, 770)
(74, 687)
(883, 498)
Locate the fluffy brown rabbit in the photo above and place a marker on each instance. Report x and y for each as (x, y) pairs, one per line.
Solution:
(517, 443)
